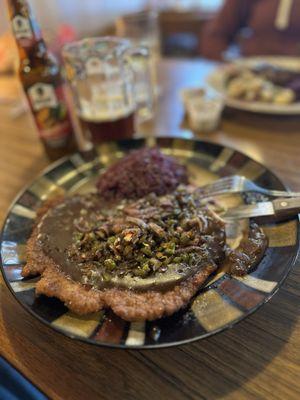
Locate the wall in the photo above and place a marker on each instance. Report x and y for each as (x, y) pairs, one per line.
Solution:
(89, 16)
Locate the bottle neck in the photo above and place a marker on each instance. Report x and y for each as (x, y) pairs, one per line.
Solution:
(24, 26)
(31, 46)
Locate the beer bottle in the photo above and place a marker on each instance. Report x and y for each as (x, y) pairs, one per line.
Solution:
(42, 81)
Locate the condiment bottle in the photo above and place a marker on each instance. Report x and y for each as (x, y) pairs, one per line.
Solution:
(43, 84)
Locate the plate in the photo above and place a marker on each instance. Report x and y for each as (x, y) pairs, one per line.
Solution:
(217, 81)
(221, 303)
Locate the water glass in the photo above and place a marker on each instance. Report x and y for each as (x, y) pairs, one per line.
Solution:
(142, 29)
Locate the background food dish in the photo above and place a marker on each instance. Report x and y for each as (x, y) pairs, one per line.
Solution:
(224, 301)
(218, 81)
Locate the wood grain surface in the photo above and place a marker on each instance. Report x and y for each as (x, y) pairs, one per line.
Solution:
(257, 359)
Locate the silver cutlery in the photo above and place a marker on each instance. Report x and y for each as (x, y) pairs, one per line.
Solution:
(240, 184)
(279, 208)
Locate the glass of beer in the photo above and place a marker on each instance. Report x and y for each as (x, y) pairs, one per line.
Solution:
(142, 28)
(103, 74)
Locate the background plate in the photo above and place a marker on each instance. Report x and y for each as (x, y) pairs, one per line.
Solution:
(217, 79)
(220, 304)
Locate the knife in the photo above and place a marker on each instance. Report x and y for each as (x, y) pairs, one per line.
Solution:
(279, 208)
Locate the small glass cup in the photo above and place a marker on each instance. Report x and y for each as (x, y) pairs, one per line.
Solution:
(103, 74)
(142, 29)
(203, 109)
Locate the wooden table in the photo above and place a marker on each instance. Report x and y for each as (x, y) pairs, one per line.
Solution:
(257, 359)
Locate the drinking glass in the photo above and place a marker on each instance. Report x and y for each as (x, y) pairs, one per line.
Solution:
(204, 108)
(142, 29)
(103, 74)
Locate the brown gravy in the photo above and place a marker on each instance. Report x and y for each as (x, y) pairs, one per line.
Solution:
(196, 238)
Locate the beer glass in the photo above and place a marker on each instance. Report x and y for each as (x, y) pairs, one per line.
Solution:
(103, 74)
(142, 28)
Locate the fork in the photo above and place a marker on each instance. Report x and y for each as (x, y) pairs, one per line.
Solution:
(240, 184)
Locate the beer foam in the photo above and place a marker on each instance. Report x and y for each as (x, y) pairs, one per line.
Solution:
(105, 107)
(96, 114)
(104, 101)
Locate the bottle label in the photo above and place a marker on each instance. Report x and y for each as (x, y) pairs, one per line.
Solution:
(48, 105)
(21, 27)
(42, 95)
